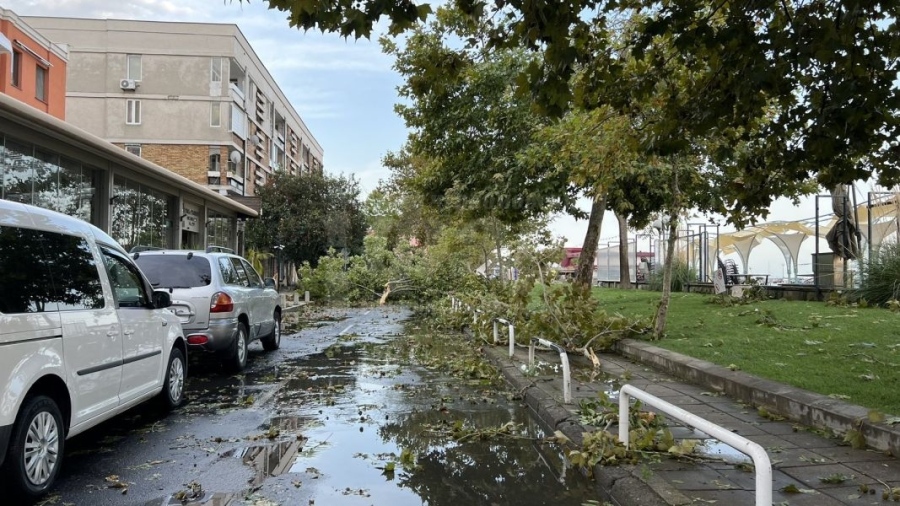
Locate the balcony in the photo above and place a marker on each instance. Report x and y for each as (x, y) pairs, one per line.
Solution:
(237, 95)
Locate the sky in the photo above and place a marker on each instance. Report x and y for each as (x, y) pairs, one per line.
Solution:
(344, 90)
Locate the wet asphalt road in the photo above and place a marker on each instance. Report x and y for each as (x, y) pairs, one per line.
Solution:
(231, 436)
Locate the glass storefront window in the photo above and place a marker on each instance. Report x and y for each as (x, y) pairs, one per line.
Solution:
(219, 230)
(45, 179)
(18, 164)
(141, 216)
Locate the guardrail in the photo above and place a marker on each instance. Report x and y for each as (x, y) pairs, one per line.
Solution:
(458, 305)
(512, 334)
(563, 357)
(760, 458)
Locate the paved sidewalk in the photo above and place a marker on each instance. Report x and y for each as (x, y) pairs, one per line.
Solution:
(801, 458)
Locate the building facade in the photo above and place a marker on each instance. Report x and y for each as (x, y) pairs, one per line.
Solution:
(49, 163)
(32, 68)
(192, 97)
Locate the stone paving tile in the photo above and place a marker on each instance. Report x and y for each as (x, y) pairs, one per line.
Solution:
(886, 471)
(853, 495)
(846, 455)
(814, 476)
(698, 478)
(736, 497)
(772, 441)
(797, 457)
(747, 479)
(778, 428)
(810, 440)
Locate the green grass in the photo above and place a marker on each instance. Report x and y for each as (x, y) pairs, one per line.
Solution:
(844, 352)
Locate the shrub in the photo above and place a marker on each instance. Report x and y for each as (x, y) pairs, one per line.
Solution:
(880, 275)
(682, 274)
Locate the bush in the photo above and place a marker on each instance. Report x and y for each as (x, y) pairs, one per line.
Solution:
(682, 274)
(880, 276)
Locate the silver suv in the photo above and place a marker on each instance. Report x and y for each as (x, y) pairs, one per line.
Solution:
(222, 302)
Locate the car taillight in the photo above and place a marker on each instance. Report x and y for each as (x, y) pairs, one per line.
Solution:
(221, 303)
(197, 339)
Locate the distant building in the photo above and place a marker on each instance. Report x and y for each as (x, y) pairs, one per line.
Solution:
(191, 97)
(33, 68)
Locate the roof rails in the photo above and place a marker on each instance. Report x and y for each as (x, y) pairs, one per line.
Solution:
(219, 249)
(138, 249)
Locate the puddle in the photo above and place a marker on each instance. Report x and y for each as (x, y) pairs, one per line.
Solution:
(384, 419)
(713, 448)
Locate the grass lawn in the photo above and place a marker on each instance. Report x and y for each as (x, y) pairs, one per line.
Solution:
(844, 352)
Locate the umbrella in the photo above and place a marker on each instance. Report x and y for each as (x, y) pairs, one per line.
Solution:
(843, 238)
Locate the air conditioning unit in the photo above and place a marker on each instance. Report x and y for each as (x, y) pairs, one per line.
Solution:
(128, 84)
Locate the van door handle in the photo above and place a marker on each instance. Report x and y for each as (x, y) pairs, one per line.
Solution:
(128, 332)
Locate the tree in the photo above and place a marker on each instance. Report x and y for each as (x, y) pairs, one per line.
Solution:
(796, 89)
(471, 126)
(307, 215)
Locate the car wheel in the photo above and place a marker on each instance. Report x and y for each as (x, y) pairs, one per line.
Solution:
(273, 341)
(35, 451)
(172, 394)
(239, 352)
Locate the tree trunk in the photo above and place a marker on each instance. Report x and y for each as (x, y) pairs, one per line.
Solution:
(662, 313)
(499, 244)
(624, 267)
(585, 273)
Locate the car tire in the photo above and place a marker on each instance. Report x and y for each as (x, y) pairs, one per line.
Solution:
(37, 443)
(273, 341)
(172, 394)
(238, 359)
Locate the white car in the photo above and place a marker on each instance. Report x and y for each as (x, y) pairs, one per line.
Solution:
(83, 337)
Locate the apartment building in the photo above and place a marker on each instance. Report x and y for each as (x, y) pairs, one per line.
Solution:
(32, 69)
(191, 97)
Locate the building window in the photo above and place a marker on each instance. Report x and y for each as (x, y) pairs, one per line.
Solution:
(134, 67)
(17, 68)
(215, 70)
(132, 112)
(40, 83)
(134, 149)
(215, 114)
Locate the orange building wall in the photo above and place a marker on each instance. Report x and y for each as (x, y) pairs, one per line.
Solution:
(56, 75)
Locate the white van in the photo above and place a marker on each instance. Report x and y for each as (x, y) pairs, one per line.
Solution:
(83, 337)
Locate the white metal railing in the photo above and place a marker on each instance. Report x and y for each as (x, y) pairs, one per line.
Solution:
(563, 357)
(760, 458)
(512, 334)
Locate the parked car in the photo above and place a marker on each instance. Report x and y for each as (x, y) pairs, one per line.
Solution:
(222, 302)
(83, 337)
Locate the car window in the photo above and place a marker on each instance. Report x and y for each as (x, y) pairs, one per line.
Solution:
(126, 282)
(175, 271)
(229, 275)
(252, 275)
(45, 271)
(243, 280)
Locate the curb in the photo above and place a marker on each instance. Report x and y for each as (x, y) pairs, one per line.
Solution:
(621, 485)
(798, 405)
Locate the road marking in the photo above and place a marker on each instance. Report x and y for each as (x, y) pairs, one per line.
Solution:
(346, 329)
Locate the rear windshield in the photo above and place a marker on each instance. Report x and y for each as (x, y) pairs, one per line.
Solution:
(175, 271)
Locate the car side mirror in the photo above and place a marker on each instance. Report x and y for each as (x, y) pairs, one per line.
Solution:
(270, 283)
(161, 299)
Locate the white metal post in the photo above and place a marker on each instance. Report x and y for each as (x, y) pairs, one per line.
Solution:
(512, 340)
(760, 458)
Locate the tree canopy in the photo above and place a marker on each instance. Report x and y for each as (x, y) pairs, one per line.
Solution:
(792, 89)
(307, 215)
